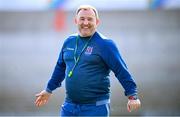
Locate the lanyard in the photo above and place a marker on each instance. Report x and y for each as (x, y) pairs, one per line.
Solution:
(76, 59)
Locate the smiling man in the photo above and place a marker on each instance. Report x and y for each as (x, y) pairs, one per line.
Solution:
(85, 62)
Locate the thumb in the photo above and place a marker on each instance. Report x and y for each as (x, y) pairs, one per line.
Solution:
(39, 94)
(128, 108)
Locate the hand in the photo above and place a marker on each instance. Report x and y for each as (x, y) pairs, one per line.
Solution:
(133, 105)
(42, 98)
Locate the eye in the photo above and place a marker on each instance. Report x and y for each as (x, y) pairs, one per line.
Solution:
(90, 19)
(82, 19)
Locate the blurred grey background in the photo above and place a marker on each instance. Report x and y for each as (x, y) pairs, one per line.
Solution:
(148, 38)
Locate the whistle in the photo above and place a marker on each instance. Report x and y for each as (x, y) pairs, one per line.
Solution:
(70, 74)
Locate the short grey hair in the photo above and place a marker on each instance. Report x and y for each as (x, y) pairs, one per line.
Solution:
(86, 7)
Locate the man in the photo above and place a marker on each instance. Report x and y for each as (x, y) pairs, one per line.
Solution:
(85, 62)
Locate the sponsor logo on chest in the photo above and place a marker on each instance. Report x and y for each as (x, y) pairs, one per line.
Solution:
(89, 50)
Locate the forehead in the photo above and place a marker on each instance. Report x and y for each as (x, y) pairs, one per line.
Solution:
(86, 12)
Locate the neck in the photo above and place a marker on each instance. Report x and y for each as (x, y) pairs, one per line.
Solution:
(86, 36)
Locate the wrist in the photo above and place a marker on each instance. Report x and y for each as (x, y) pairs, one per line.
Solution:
(133, 97)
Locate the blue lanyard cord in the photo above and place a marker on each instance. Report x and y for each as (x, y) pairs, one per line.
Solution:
(76, 59)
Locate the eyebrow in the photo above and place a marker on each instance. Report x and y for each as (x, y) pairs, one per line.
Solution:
(88, 17)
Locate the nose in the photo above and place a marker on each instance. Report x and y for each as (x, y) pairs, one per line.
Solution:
(86, 22)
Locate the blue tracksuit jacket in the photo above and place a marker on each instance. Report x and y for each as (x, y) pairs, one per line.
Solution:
(90, 80)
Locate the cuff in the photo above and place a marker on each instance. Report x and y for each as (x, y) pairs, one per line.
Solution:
(133, 97)
(48, 90)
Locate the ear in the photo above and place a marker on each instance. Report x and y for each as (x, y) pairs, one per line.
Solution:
(97, 21)
(75, 20)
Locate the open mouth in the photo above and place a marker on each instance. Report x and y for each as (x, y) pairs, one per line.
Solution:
(85, 27)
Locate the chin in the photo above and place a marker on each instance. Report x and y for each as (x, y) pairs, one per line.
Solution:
(85, 34)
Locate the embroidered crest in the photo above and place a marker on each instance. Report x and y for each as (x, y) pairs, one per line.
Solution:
(89, 50)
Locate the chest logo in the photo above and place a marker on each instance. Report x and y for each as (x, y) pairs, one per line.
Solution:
(89, 50)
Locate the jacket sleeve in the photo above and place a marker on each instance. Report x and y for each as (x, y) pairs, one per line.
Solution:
(115, 62)
(58, 74)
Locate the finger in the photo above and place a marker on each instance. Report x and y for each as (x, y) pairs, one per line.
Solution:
(38, 99)
(132, 106)
(128, 108)
(138, 106)
(44, 102)
(37, 102)
(41, 103)
(135, 106)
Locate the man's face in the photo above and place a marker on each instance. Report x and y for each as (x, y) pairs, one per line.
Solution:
(87, 22)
